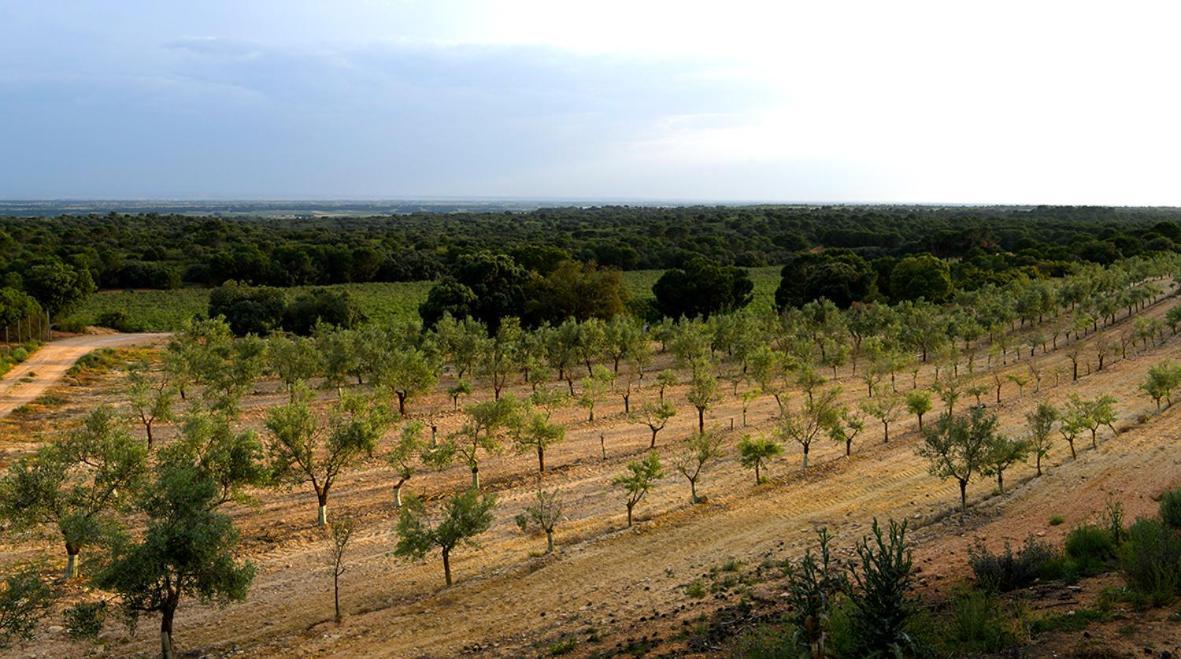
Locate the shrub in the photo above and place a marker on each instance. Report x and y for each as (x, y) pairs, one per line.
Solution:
(116, 320)
(767, 641)
(1055, 520)
(1170, 509)
(85, 619)
(978, 624)
(1007, 571)
(1091, 549)
(1151, 561)
(880, 593)
(696, 589)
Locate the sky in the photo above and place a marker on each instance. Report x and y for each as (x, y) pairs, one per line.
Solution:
(909, 102)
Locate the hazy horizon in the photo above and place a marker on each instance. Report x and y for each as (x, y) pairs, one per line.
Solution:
(680, 102)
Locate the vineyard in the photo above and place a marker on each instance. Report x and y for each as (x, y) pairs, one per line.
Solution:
(383, 303)
(590, 488)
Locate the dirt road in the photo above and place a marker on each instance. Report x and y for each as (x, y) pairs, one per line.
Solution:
(30, 379)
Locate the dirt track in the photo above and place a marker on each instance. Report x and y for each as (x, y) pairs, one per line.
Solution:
(44, 368)
(627, 583)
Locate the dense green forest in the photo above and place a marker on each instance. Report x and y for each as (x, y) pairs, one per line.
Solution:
(553, 263)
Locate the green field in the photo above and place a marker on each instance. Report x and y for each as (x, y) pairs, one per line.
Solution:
(152, 310)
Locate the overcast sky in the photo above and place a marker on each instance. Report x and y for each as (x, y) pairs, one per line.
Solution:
(947, 101)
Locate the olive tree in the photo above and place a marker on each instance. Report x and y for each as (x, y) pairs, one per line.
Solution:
(640, 476)
(1162, 379)
(544, 513)
(754, 452)
(845, 429)
(402, 454)
(188, 547)
(817, 414)
(957, 447)
(594, 388)
(151, 399)
(24, 598)
(532, 430)
(1092, 414)
(465, 516)
(303, 449)
(918, 403)
(655, 416)
(294, 359)
(339, 535)
(1041, 424)
(885, 408)
(483, 432)
(76, 484)
(703, 390)
(699, 451)
(1002, 453)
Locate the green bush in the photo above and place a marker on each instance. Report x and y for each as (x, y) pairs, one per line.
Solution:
(880, 593)
(978, 624)
(1170, 509)
(1007, 571)
(767, 641)
(1090, 548)
(1151, 561)
(85, 619)
(117, 319)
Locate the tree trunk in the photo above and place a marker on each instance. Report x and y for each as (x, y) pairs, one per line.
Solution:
(758, 478)
(921, 422)
(540, 459)
(398, 493)
(701, 420)
(693, 490)
(1094, 442)
(1038, 462)
(805, 467)
(336, 592)
(549, 541)
(166, 615)
(475, 477)
(629, 515)
(401, 403)
(322, 514)
(447, 565)
(1073, 455)
(964, 496)
(886, 426)
(1000, 481)
(848, 447)
(72, 569)
(627, 407)
(653, 443)
(148, 427)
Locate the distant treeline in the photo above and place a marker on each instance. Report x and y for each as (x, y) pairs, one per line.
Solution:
(163, 251)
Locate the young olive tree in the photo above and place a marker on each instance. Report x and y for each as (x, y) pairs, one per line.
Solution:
(699, 451)
(76, 484)
(24, 598)
(754, 452)
(408, 372)
(595, 388)
(845, 429)
(641, 475)
(339, 535)
(1041, 424)
(544, 514)
(401, 456)
(151, 399)
(466, 515)
(918, 403)
(1002, 453)
(482, 433)
(957, 447)
(304, 450)
(294, 359)
(885, 408)
(1162, 379)
(818, 413)
(655, 416)
(532, 430)
(1092, 414)
(703, 390)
